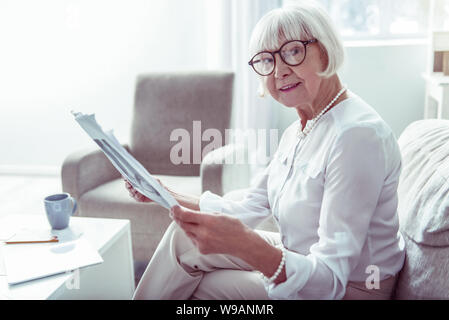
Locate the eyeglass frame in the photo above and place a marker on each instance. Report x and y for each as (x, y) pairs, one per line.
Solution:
(304, 42)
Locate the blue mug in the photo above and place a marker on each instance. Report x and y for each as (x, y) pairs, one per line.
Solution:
(59, 207)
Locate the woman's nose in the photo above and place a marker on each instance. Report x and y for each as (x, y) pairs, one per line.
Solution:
(281, 69)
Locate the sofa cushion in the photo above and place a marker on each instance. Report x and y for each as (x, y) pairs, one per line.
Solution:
(424, 184)
(424, 210)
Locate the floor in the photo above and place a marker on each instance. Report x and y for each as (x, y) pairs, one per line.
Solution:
(25, 195)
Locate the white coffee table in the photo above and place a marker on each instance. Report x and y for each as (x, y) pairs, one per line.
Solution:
(112, 279)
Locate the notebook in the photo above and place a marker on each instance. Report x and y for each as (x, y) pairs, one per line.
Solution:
(25, 262)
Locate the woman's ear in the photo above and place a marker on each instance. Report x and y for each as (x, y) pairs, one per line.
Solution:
(324, 58)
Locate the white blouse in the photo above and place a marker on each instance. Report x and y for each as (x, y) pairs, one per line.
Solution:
(334, 197)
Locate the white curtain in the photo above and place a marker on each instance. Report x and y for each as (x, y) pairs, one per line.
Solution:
(230, 25)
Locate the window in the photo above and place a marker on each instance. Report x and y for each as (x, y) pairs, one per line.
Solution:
(379, 19)
(440, 15)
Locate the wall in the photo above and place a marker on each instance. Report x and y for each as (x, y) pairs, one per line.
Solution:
(58, 55)
(387, 76)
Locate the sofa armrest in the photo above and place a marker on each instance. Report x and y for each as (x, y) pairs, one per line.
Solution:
(225, 169)
(85, 170)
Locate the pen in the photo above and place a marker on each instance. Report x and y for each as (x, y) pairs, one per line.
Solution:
(54, 239)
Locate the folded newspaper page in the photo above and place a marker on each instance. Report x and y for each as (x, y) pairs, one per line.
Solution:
(124, 162)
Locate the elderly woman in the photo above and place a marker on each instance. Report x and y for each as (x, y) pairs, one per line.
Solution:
(331, 187)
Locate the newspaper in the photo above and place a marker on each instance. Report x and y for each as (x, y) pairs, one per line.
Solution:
(124, 162)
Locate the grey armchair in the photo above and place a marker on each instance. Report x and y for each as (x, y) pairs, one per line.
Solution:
(163, 102)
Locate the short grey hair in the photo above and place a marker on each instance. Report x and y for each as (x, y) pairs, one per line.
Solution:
(302, 20)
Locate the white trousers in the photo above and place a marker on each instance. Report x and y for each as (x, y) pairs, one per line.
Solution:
(178, 270)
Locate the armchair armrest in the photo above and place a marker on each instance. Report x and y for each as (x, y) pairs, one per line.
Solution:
(85, 170)
(225, 169)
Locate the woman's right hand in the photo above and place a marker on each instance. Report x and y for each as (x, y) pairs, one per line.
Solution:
(136, 195)
(188, 201)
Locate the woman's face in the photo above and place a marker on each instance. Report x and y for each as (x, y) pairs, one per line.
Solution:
(298, 85)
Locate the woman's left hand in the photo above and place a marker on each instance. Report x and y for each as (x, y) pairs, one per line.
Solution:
(212, 232)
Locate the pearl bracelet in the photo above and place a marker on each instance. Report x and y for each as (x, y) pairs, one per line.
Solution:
(279, 269)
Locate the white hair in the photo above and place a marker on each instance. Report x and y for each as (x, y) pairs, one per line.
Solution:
(303, 20)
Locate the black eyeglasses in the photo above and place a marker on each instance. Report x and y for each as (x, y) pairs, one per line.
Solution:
(293, 53)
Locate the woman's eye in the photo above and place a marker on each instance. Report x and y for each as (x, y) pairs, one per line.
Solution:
(293, 51)
(267, 60)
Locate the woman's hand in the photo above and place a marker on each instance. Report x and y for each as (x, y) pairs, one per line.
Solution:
(212, 232)
(188, 201)
(220, 233)
(136, 195)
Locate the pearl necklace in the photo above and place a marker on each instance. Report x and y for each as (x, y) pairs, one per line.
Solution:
(311, 123)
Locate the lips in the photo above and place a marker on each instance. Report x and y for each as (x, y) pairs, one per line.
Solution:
(289, 87)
